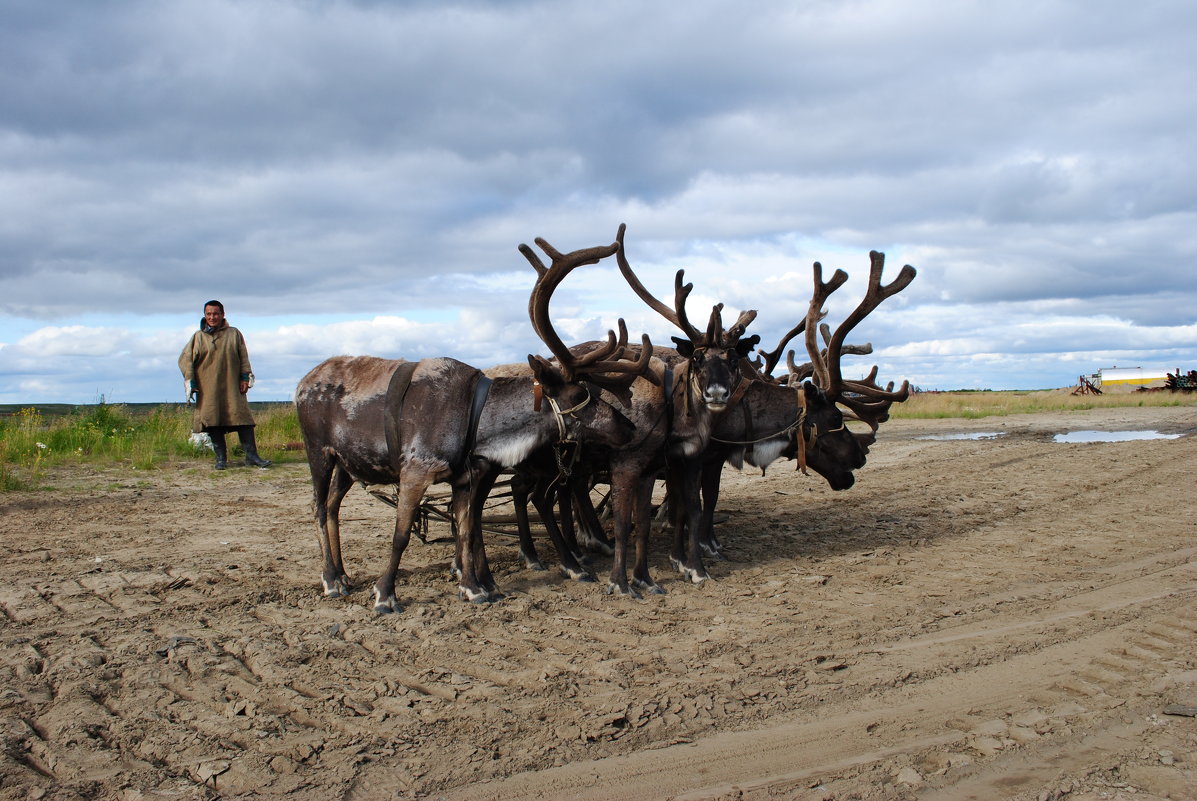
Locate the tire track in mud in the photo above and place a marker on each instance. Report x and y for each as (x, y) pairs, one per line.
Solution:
(1073, 648)
(980, 618)
(1080, 682)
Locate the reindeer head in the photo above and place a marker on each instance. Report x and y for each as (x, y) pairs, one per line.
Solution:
(571, 385)
(827, 445)
(715, 358)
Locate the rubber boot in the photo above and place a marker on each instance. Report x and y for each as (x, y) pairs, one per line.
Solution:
(250, 446)
(218, 445)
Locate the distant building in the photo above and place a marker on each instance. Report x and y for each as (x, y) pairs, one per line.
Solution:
(1131, 377)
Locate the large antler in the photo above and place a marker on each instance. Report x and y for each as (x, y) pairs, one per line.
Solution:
(606, 364)
(770, 359)
(796, 372)
(867, 400)
(715, 334)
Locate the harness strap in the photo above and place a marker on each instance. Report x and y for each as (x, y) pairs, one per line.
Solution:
(481, 390)
(799, 439)
(560, 414)
(396, 392)
(667, 388)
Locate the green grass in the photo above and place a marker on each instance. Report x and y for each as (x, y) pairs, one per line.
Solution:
(109, 434)
(972, 405)
(35, 439)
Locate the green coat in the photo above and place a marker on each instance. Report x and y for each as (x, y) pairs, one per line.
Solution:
(216, 363)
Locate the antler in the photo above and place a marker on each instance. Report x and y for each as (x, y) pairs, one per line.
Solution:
(715, 333)
(869, 401)
(771, 358)
(606, 364)
(676, 315)
(819, 361)
(796, 372)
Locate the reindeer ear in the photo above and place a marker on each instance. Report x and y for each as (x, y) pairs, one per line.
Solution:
(546, 373)
(684, 346)
(745, 346)
(810, 391)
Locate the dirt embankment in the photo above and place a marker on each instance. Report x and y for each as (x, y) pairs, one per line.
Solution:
(1007, 618)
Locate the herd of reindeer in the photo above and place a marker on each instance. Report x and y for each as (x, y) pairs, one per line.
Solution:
(610, 411)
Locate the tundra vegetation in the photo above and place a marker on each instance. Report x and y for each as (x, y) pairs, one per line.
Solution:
(36, 438)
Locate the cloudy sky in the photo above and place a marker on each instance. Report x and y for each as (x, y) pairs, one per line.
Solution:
(355, 177)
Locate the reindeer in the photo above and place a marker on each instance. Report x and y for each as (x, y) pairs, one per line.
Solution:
(412, 424)
(795, 418)
(674, 408)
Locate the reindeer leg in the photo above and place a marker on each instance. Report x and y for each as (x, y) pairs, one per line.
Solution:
(336, 583)
(686, 555)
(621, 514)
(519, 497)
(641, 578)
(408, 496)
(712, 472)
(565, 522)
(323, 467)
(593, 537)
(677, 519)
(475, 583)
(565, 555)
(486, 483)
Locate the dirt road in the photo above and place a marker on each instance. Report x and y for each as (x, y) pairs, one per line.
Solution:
(997, 618)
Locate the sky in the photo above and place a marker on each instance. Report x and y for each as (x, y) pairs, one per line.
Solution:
(355, 177)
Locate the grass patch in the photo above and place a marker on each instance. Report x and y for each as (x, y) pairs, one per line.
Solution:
(973, 405)
(35, 439)
(112, 434)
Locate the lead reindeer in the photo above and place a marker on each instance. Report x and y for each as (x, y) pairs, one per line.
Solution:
(674, 411)
(800, 419)
(412, 424)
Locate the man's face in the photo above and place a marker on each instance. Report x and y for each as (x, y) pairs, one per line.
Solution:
(213, 315)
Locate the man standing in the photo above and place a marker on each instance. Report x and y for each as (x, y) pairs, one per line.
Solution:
(215, 367)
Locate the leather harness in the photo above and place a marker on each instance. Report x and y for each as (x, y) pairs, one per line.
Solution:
(392, 422)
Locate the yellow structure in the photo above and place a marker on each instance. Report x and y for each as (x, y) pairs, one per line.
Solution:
(1131, 377)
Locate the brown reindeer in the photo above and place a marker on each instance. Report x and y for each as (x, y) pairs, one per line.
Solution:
(795, 418)
(674, 409)
(412, 424)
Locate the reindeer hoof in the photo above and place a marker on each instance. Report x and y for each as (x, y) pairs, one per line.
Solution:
(385, 601)
(387, 607)
(336, 589)
(576, 575)
(479, 596)
(532, 564)
(650, 587)
(627, 592)
(597, 546)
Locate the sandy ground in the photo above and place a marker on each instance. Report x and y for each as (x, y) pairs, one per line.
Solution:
(1006, 618)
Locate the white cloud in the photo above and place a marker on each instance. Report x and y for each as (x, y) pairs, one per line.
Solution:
(372, 166)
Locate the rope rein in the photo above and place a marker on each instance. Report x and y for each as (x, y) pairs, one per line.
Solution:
(795, 428)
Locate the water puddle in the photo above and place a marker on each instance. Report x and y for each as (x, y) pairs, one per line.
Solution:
(966, 435)
(1111, 436)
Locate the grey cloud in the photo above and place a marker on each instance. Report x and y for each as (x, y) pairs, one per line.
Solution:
(379, 158)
